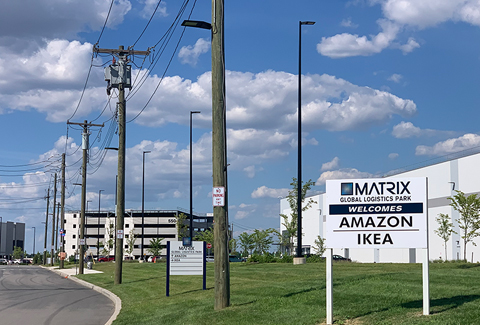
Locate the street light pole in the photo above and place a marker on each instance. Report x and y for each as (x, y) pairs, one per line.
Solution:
(33, 253)
(143, 201)
(98, 224)
(191, 177)
(299, 258)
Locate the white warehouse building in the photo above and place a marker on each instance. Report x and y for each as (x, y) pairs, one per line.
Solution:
(100, 229)
(443, 180)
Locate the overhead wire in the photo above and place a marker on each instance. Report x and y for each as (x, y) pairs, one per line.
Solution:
(168, 65)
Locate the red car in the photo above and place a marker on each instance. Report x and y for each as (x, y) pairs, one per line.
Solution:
(106, 258)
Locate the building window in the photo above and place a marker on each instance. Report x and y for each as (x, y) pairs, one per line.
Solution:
(74, 215)
(64, 221)
(73, 246)
(74, 236)
(74, 226)
(127, 225)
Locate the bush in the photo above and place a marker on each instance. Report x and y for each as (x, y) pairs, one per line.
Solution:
(315, 259)
(286, 259)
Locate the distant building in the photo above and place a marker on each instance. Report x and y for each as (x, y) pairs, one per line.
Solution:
(100, 228)
(12, 234)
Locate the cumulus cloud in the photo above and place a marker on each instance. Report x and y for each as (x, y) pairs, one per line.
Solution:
(464, 142)
(395, 77)
(189, 54)
(393, 155)
(344, 173)
(347, 45)
(348, 23)
(264, 191)
(68, 18)
(399, 14)
(334, 164)
(408, 130)
(150, 6)
(408, 47)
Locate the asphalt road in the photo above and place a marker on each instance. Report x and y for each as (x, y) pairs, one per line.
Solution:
(31, 295)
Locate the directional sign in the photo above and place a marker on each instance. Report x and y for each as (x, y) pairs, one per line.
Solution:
(377, 213)
(186, 260)
(218, 196)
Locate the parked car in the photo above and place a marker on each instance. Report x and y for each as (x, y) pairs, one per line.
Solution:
(106, 258)
(3, 261)
(341, 258)
(234, 258)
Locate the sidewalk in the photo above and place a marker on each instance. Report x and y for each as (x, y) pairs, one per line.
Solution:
(71, 271)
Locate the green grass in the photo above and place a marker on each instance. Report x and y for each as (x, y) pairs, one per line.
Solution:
(295, 294)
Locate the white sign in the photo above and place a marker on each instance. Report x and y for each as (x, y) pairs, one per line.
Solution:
(377, 213)
(82, 241)
(120, 234)
(218, 195)
(186, 260)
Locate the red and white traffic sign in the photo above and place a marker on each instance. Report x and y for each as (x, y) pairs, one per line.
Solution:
(209, 245)
(119, 234)
(218, 195)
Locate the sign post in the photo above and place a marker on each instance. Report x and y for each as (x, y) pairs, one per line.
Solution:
(378, 213)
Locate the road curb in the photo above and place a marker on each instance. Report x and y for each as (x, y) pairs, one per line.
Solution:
(113, 297)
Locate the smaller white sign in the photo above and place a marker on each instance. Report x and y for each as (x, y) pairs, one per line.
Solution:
(82, 241)
(186, 260)
(218, 196)
(120, 234)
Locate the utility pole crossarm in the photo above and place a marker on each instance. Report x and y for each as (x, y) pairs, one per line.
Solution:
(120, 52)
(86, 124)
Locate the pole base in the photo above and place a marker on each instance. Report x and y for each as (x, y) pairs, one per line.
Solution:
(299, 260)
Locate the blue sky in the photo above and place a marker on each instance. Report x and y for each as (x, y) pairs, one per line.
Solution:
(386, 84)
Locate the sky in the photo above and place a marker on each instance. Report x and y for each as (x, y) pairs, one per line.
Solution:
(387, 85)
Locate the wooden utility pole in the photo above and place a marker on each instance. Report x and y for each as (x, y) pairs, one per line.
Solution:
(219, 163)
(56, 226)
(85, 145)
(46, 230)
(121, 79)
(62, 203)
(53, 219)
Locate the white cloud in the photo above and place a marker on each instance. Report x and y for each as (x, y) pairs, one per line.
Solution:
(334, 164)
(395, 77)
(409, 46)
(393, 155)
(408, 130)
(66, 20)
(464, 142)
(347, 45)
(250, 171)
(427, 13)
(189, 54)
(348, 23)
(399, 14)
(150, 6)
(264, 191)
(344, 173)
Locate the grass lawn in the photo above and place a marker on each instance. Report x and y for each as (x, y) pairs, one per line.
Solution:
(295, 294)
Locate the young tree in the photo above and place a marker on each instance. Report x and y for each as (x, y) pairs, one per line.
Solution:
(17, 253)
(130, 241)
(155, 246)
(469, 221)
(206, 235)
(262, 239)
(182, 228)
(245, 243)
(290, 221)
(109, 238)
(319, 245)
(445, 229)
